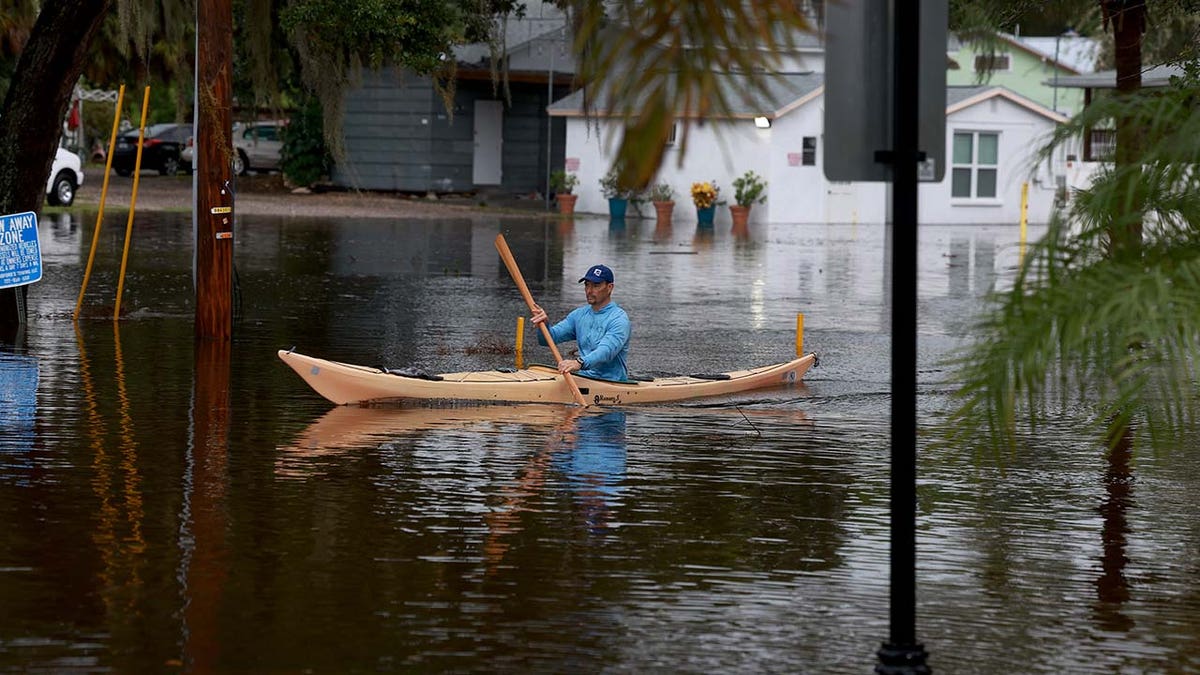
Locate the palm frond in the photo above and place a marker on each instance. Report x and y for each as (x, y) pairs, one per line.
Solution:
(1115, 331)
(662, 62)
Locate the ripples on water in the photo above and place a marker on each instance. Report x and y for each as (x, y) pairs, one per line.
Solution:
(160, 511)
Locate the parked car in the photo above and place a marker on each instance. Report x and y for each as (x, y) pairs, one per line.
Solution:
(66, 175)
(258, 146)
(160, 151)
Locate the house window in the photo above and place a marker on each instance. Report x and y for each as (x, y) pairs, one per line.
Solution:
(808, 151)
(988, 63)
(671, 135)
(975, 164)
(1103, 145)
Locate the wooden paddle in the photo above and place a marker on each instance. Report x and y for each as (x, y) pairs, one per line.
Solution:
(511, 263)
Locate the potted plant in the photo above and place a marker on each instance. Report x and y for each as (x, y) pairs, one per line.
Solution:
(618, 196)
(563, 183)
(704, 196)
(663, 197)
(748, 189)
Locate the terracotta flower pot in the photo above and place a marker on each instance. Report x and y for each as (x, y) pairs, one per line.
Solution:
(740, 215)
(663, 211)
(566, 203)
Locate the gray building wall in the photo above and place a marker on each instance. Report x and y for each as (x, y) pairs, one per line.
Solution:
(400, 137)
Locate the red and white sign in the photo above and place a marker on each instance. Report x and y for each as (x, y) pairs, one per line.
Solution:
(572, 164)
(794, 158)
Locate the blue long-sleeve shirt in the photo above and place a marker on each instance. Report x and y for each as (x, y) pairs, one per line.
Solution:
(602, 338)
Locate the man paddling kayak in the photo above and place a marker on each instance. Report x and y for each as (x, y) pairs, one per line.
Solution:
(601, 330)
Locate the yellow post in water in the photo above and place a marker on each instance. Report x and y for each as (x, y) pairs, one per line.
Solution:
(137, 170)
(1024, 215)
(520, 342)
(112, 142)
(799, 335)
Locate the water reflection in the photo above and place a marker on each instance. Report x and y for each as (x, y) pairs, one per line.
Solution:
(204, 551)
(350, 430)
(585, 454)
(18, 409)
(592, 459)
(1112, 587)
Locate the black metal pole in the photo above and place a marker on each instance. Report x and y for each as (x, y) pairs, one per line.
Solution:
(902, 653)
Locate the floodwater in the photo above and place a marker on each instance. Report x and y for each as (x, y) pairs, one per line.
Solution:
(166, 506)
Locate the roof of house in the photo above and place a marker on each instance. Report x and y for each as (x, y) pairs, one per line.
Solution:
(1068, 62)
(1077, 53)
(1156, 76)
(783, 93)
(533, 40)
(961, 98)
(791, 90)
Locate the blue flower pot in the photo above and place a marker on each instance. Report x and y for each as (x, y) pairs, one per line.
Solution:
(705, 216)
(617, 207)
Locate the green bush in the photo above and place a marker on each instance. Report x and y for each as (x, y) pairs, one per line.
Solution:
(305, 159)
(611, 187)
(749, 189)
(661, 192)
(563, 182)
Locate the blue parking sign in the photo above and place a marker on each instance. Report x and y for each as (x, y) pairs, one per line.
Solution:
(20, 250)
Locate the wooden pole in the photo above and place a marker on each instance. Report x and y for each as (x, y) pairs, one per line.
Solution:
(213, 187)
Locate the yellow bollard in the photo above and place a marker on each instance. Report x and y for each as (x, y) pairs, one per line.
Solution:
(137, 170)
(112, 143)
(1024, 215)
(520, 342)
(799, 335)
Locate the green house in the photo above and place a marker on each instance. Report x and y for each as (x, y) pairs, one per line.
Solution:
(1024, 65)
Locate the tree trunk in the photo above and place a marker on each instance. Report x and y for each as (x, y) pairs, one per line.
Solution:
(1128, 19)
(34, 107)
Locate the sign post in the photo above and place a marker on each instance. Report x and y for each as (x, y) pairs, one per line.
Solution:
(885, 111)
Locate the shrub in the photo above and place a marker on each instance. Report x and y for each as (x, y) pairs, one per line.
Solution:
(611, 187)
(661, 192)
(563, 182)
(749, 188)
(304, 158)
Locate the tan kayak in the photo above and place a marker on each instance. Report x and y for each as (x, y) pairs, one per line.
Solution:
(345, 383)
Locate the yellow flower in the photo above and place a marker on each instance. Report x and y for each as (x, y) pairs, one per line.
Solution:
(705, 194)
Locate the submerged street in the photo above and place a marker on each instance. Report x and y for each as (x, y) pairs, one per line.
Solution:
(161, 511)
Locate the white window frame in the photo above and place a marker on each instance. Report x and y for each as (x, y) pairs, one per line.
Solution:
(974, 167)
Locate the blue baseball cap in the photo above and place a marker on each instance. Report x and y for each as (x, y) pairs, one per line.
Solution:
(596, 274)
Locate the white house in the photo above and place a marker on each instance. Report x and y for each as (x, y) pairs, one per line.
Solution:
(992, 139)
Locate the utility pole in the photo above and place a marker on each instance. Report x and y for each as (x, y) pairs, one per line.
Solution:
(212, 187)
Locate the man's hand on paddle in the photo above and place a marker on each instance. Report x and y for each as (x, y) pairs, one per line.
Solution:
(539, 315)
(569, 365)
